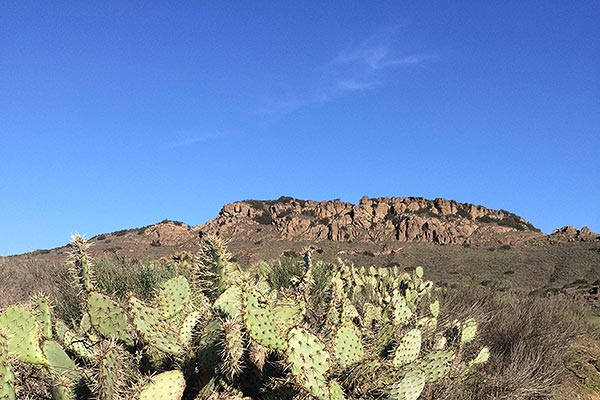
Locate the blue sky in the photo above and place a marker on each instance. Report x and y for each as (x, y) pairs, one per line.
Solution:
(119, 114)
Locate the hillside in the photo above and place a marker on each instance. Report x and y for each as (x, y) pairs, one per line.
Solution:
(458, 243)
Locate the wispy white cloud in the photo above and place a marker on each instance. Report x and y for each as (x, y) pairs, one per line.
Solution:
(191, 140)
(355, 84)
(376, 57)
(368, 65)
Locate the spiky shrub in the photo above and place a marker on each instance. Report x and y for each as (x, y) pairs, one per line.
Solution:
(350, 333)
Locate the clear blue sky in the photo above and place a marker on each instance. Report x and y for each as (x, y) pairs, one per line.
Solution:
(119, 114)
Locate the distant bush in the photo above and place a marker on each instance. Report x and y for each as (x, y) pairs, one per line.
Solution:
(510, 220)
(256, 204)
(426, 211)
(285, 213)
(486, 219)
(264, 218)
(309, 213)
(324, 221)
(462, 212)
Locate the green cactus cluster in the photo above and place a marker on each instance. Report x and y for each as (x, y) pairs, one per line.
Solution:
(224, 333)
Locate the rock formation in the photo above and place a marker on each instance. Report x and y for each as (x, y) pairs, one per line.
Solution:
(570, 234)
(403, 219)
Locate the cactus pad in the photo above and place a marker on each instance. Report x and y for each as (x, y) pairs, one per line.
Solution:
(371, 314)
(207, 356)
(62, 369)
(233, 348)
(348, 348)
(7, 377)
(469, 330)
(108, 318)
(434, 309)
(43, 315)
(410, 387)
(111, 371)
(79, 345)
(153, 329)
(335, 391)
(23, 334)
(427, 325)
(482, 357)
(230, 302)
(436, 364)
(408, 349)
(419, 272)
(289, 313)
(382, 339)
(165, 386)
(309, 362)
(173, 296)
(261, 323)
(402, 312)
(186, 332)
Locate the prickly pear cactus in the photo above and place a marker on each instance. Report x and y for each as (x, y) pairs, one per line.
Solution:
(43, 314)
(108, 318)
(410, 387)
(165, 386)
(230, 302)
(62, 369)
(76, 343)
(24, 334)
(261, 323)
(7, 377)
(402, 311)
(309, 362)
(111, 373)
(173, 296)
(348, 347)
(188, 328)
(434, 308)
(435, 364)
(469, 330)
(233, 348)
(81, 262)
(408, 349)
(336, 392)
(368, 333)
(155, 331)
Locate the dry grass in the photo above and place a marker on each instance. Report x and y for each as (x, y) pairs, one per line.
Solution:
(529, 339)
(19, 283)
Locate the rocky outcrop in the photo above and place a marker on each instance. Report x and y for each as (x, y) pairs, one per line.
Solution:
(403, 219)
(570, 234)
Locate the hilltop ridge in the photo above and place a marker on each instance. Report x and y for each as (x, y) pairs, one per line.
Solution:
(403, 219)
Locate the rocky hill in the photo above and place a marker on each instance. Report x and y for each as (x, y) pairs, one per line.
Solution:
(454, 241)
(402, 219)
